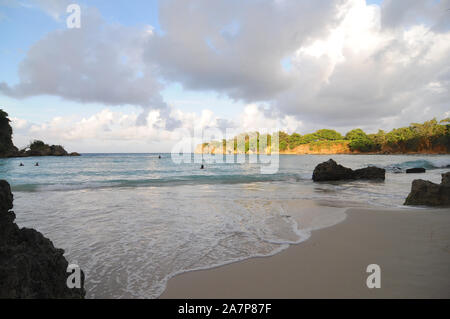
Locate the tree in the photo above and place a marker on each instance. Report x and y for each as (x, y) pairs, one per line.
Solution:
(283, 140)
(359, 141)
(308, 138)
(295, 140)
(328, 135)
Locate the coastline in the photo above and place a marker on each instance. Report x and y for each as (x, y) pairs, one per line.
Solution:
(293, 152)
(412, 247)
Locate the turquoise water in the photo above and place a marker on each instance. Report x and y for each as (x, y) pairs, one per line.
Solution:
(132, 221)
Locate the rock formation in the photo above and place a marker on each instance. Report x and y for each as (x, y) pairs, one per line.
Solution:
(416, 170)
(7, 148)
(331, 171)
(37, 148)
(425, 193)
(30, 266)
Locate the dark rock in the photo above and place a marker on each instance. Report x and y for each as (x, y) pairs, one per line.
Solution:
(331, 171)
(7, 148)
(39, 148)
(74, 154)
(446, 179)
(425, 193)
(370, 173)
(30, 266)
(416, 170)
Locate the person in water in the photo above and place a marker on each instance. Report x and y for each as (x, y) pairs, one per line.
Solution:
(202, 167)
(21, 164)
(37, 164)
(159, 156)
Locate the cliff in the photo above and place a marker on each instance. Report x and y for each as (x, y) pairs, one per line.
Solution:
(7, 148)
(312, 148)
(30, 266)
(324, 148)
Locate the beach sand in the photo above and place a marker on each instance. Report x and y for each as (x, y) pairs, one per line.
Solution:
(411, 246)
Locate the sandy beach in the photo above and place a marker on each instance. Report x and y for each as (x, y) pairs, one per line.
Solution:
(411, 246)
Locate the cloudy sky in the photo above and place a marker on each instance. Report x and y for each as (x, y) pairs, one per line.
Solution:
(138, 72)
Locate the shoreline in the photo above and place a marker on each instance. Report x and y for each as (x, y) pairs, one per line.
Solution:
(330, 154)
(412, 247)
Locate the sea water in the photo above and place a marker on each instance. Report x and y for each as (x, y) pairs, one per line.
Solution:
(132, 221)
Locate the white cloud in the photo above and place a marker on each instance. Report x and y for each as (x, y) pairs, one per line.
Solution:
(110, 128)
(98, 63)
(345, 66)
(298, 65)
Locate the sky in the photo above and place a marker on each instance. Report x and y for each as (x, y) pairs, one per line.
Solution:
(139, 75)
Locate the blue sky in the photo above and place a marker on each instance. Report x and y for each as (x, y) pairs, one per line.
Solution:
(21, 26)
(211, 65)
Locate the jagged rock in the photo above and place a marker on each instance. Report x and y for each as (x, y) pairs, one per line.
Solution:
(426, 193)
(7, 148)
(30, 266)
(416, 170)
(331, 171)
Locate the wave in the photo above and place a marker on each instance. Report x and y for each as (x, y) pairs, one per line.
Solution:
(437, 163)
(170, 181)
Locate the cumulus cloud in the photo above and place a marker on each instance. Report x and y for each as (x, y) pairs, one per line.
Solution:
(361, 72)
(98, 63)
(235, 47)
(398, 13)
(109, 127)
(335, 63)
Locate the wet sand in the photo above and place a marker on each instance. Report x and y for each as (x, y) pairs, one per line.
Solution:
(412, 247)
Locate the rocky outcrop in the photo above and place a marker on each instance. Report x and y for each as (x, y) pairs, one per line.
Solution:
(30, 266)
(370, 172)
(416, 170)
(331, 171)
(37, 148)
(7, 148)
(425, 193)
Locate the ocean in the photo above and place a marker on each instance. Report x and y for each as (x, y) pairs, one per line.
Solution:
(132, 221)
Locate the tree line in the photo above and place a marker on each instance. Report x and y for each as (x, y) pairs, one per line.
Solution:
(416, 137)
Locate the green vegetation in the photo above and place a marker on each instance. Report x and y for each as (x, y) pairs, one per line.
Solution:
(427, 137)
(360, 141)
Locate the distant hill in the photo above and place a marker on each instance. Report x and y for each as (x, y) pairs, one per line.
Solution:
(36, 148)
(431, 137)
